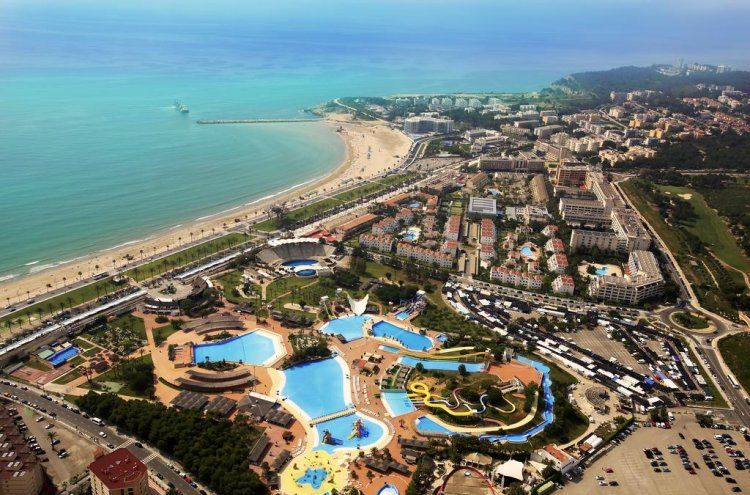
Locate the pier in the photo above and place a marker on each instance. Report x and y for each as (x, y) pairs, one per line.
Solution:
(254, 121)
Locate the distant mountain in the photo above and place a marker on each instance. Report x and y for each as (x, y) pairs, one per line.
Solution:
(601, 83)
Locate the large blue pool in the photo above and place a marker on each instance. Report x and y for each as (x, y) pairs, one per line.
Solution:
(63, 355)
(397, 402)
(436, 364)
(388, 489)
(427, 426)
(250, 348)
(341, 430)
(316, 387)
(410, 340)
(350, 327)
(296, 263)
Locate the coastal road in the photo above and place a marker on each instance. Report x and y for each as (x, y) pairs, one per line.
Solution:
(88, 429)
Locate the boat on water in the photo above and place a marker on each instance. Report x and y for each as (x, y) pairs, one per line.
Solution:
(181, 107)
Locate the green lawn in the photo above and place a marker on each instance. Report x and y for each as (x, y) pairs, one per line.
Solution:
(82, 344)
(68, 300)
(690, 320)
(735, 349)
(711, 229)
(231, 280)
(129, 321)
(68, 377)
(318, 207)
(111, 379)
(283, 285)
(38, 365)
(162, 333)
(376, 270)
(90, 352)
(176, 260)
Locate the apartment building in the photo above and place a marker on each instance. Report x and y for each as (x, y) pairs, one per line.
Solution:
(382, 243)
(507, 164)
(449, 247)
(550, 230)
(21, 472)
(486, 252)
(563, 284)
(557, 263)
(643, 281)
(628, 234)
(571, 174)
(422, 124)
(424, 256)
(488, 233)
(546, 131)
(553, 152)
(119, 473)
(516, 277)
(452, 230)
(554, 245)
(388, 225)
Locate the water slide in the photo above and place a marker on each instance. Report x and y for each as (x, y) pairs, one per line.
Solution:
(421, 391)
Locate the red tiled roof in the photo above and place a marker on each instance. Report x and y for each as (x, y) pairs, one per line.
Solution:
(118, 469)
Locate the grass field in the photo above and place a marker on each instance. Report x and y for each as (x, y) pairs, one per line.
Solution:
(176, 260)
(711, 229)
(229, 281)
(694, 265)
(52, 305)
(735, 349)
(127, 320)
(318, 207)
(283, 285)
(162, 333)
(68, 377)
(111, 379)
(376, 270)
(690, 320)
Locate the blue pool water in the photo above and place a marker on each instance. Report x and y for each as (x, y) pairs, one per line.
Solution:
(349, 326)
(313, 477)
(316, 387)
(389, 348)
(435, 364)
(601, 271)
(526, 251)
(250, 348)
(388, 489)
(415, 205)
(442, 338)
(427, 426)
(397, 402)
(408, 339)
(60, 357)
(402, 315)
(341, 429)
(307, 272)
(294, 263)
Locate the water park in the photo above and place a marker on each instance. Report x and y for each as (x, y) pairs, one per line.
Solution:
(257, 347)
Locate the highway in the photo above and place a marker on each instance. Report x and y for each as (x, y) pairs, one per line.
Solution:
(87, 428)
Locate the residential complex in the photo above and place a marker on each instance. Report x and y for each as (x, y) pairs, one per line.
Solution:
(423, 124)
(21, 471)
(643, 281)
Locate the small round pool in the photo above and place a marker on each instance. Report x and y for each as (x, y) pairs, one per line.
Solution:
(296, 263)
(306, 272)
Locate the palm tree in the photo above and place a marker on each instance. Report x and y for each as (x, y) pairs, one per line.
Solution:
(52, 435)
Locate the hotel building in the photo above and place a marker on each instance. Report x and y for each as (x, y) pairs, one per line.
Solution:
(643, 281)
(382, 243)
(426, 256)
(119, 473)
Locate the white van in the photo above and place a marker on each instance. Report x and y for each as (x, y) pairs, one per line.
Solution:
(97, 421)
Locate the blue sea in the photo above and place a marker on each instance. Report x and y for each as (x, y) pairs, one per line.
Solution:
(93, 155)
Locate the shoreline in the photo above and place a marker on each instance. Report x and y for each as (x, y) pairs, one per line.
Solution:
(370, 149)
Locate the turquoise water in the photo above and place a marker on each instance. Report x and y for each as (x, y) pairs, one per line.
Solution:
(398, 402)
(62, 356)
(410, 340)
(436, 364)
(295, 263)
(313, 477)
(428, 426)
(341, 429)
(601, 271)
(250, 348)
(526, 251)
(350, 327)
(316, 388)
(402, 315)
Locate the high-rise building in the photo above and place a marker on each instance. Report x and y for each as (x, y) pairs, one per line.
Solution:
(421, 124)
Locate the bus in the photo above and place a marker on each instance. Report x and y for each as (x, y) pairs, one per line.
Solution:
(733, 381)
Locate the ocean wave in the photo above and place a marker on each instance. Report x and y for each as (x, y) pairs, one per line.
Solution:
(283, 191)
(31, 263)
(129, 243)
(3, 278)
(39, 268)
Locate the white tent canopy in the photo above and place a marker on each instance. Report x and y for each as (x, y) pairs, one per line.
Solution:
(510, 469)
(358, 306)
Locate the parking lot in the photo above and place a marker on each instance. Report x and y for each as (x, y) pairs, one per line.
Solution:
(80, 451)
(597, 341)
(635, 475)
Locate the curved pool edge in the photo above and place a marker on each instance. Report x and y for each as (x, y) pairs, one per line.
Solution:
(381, 442)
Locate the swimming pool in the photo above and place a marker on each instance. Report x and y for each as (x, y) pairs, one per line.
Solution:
(350, 327)
(402, 315)
(63, 355)
(313, 477)
(255, 347)
(526, 251)
(415, 205)
(389, 348)
(444, 365)
(410, 340)
(601, 271)
(295, 263)
(388, 489)
(427, 426)
(341, 430)
(317, 387)
(306, 272)
(397, 403)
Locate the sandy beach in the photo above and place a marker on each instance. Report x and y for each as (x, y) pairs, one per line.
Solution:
(371, 148)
